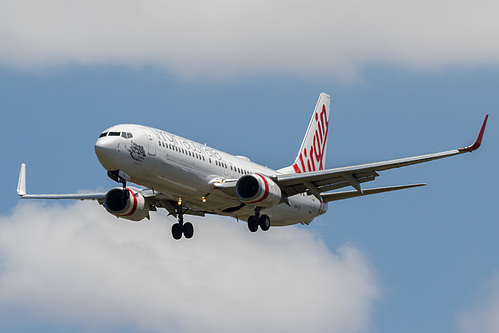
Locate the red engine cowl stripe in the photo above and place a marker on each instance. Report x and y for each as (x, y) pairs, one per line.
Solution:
(266, 194)
(134, 207)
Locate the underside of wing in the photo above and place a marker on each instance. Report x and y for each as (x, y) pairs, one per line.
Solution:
(73, 196)
(318, 182)
(160, 200)
(332, 179)
(353, 194)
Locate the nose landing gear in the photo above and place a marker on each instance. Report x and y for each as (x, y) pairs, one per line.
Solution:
(122, 177)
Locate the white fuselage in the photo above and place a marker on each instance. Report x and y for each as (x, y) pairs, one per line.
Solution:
(182, 169)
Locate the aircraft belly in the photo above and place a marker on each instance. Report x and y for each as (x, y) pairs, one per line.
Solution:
(186, 180)
(181, 181)
(301, 209)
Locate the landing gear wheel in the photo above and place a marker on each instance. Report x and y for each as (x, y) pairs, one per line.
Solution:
(253, 223)
(188, 230)
(264, 222)
(177, 231)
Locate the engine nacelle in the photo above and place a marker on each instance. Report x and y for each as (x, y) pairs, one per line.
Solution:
(258, 190)
(127, 204)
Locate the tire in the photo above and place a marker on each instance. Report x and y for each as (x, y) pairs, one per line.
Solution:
(264, 222)
(188, 230)
(177, 231)
(253, 223)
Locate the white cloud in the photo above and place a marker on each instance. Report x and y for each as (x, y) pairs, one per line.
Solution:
(223, 38)
(483, 316)
(77, 265)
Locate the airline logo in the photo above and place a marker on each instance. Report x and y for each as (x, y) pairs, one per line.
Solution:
(312, 159)
(137, 152)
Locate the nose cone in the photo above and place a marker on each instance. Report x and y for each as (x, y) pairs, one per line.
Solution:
(106, 149)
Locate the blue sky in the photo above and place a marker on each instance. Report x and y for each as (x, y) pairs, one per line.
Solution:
(418, 260)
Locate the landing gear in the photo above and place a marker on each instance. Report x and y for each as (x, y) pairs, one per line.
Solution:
(256, 220)
(187, 229)
(177, 231)
(253, 223)
(264, 222)
(120, 176)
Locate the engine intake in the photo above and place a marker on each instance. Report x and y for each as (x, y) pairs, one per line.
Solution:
(126, 204)
(258, 190)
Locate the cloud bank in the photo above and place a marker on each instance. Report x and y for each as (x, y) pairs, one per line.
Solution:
(483, 317)
(77, 266)
(223, 38)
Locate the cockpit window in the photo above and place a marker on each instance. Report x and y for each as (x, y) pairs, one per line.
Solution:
(125, 135)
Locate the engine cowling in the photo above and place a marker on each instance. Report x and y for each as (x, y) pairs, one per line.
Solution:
(127, 204)
(258, 190)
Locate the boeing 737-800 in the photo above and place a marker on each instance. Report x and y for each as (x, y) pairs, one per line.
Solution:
(186, 177)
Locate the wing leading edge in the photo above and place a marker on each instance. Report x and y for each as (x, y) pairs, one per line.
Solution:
(21, 191)
(153, 198)
(318, 182)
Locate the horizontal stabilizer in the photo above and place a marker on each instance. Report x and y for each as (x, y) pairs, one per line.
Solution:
(352, 194)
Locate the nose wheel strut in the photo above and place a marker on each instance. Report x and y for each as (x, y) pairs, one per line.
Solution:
(122, 177)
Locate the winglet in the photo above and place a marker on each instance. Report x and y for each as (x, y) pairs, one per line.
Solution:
(21, 184)
(478, 140)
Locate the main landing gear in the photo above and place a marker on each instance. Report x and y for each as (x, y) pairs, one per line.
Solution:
(180, 228)
(256, 220)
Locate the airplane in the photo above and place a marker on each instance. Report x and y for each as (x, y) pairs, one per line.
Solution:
(188, 178)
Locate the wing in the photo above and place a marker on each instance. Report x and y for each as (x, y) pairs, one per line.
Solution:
(326, 180)
(161, 200)
(21, 191)
(153, 198)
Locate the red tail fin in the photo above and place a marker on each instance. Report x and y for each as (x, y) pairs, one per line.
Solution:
(312, 153)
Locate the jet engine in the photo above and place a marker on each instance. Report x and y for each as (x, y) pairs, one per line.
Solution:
(258, 190)
(126, 203)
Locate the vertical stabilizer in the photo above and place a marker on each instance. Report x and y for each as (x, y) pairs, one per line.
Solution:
(312, 153)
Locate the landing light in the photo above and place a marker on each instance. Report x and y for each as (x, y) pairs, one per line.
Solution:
(179, 201)
(203, 199)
